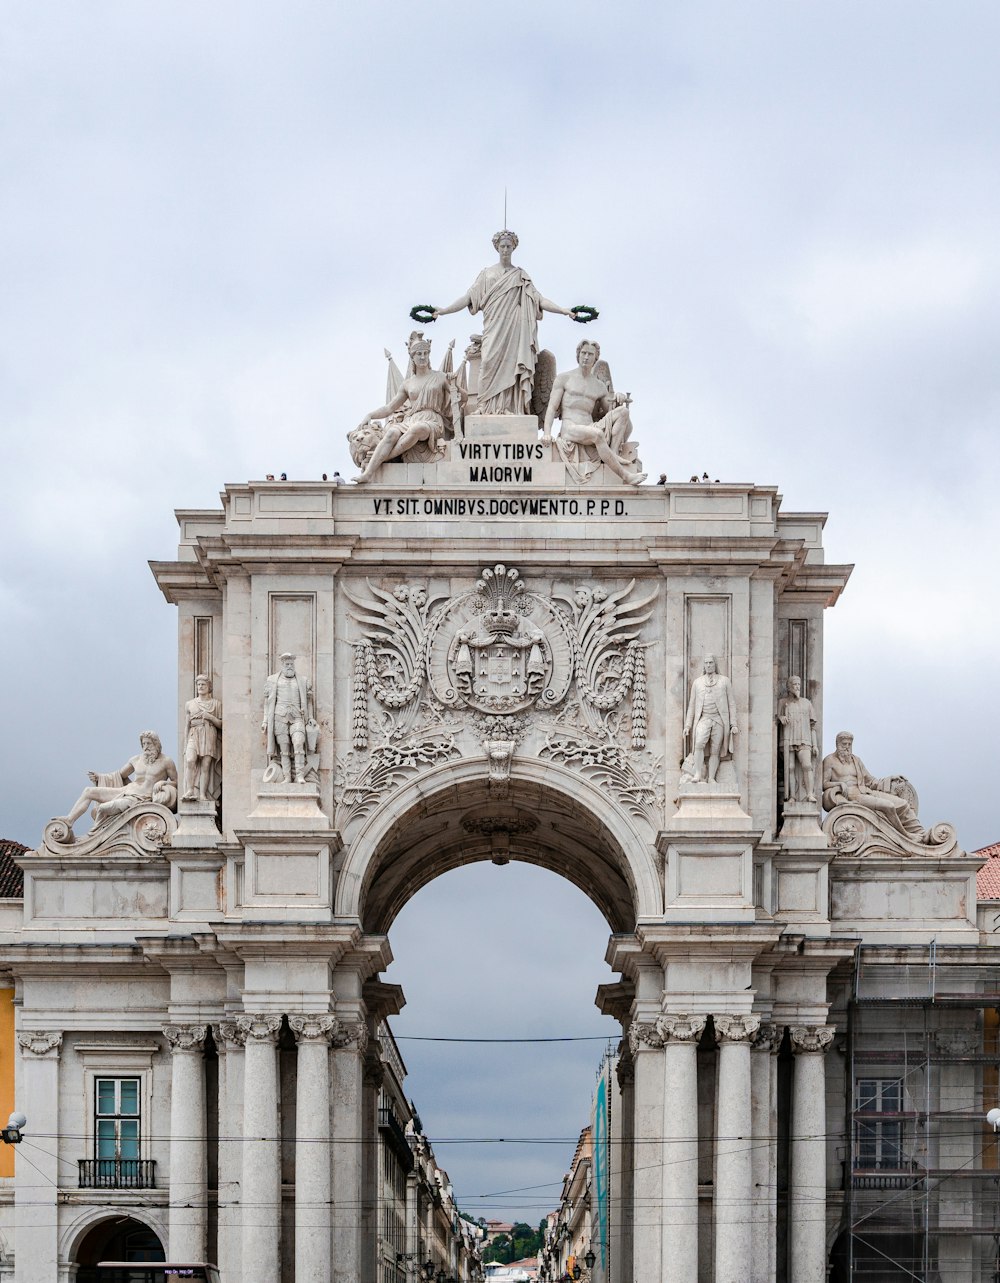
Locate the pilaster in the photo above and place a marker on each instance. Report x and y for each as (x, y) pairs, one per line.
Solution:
(188, 1209)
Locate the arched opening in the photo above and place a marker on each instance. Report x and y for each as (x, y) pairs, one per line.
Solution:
(526, 1035)
(119, 1238)
(543, 815)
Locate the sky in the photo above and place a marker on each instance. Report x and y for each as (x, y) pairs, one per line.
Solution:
(215, 217)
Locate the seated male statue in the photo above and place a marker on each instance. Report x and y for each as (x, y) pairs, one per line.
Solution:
(150, 776)
(592, 415)
(846, 779)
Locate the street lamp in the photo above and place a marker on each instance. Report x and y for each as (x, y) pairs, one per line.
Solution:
(11, 1134)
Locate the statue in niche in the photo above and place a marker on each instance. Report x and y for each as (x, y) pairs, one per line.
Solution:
(798, 737)
(846, 779)
(288, 723)
(150, 776)
(710, 726)
(202, 744)
(595, 419)
(511, 308)
(423, 412)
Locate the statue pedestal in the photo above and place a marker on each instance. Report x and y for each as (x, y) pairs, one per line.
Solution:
(288, 806)
(800, 824)
(701, 806)
(502, 427)
(196, 824)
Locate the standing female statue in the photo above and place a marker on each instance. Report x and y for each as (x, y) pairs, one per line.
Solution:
(511, 308)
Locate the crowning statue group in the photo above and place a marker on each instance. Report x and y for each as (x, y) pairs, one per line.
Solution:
(514, 378)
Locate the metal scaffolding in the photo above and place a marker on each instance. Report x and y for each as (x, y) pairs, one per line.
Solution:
(922, 1180)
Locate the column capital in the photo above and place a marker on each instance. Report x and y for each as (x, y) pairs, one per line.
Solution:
(768, 1038)
(677, 1028)
(229, 1035)
(736, 1029)
(644, 1033)
(260, 1028)
(186, 1038)
(374, 1067)
(350, 1033)
(625, 1069)
(313, 1028)
(811, 1038)
(42, 1043)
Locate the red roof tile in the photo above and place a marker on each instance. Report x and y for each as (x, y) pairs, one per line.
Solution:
(11, 877)
(988, 877)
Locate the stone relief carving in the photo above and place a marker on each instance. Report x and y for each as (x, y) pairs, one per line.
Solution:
(34, 1042)
(736, 1028)
(142, 831)
(189, 1038)
(596, 424)
(811, 1038)
(261, 1028)
(494, 660)
(149, 777)
(511, 307)
(313, 1028)
(869, 815)
(797, 719)
(202, 744)
(229, 1035)
(423, 412)
(710, 726)
(682, 1028)
(350, 1033)
(290, 728)
(644, 1033)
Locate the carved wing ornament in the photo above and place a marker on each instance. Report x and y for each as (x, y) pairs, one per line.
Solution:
(608, 656)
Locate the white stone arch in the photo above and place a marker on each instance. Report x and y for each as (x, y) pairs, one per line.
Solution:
(636, 858)
(76, 1230)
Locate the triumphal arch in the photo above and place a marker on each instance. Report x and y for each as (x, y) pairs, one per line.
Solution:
(501, 642)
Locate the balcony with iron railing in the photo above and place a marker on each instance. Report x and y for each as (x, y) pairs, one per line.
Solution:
(117, 1173)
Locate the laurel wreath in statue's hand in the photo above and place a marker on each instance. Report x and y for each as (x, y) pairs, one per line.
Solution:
(423, 314)
(583, 313)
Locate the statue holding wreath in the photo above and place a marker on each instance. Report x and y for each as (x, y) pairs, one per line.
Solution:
(511, 308)
(415, 421)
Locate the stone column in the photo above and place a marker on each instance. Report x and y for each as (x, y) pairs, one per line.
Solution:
(36, 1234)
(807, 1204)
(680, 1035)
(645, 1044)
(764, 1156)
(188, 1208)
(733, 1147)
(374, 1076)
(261, 1185)
(347, 1089)
(313, 1184)
(230, 1040)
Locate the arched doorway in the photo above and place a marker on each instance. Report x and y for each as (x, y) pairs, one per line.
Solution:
(119, 1238)
(542, 816)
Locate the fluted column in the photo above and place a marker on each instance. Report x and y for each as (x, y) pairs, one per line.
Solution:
(733, 1148)
(188, 1207)
(313, 1183)
(349, 1042)
(680, 1035)
(764, 1155)
(230, 1040)
(261, 1185)
(646, 1044)
(807, 1210)
(37, 1172)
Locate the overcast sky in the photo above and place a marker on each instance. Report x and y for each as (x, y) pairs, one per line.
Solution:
(215, 216)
